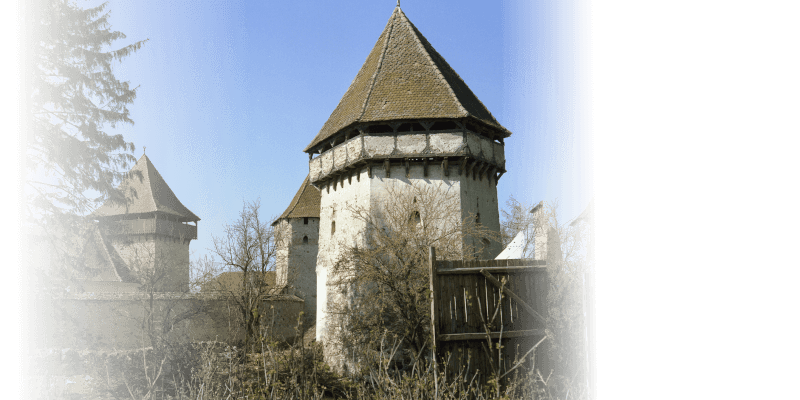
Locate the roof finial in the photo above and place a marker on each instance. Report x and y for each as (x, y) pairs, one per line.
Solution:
(398, 3)
(144, 148)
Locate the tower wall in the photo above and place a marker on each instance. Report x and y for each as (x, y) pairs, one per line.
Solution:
(297, 260)
(471, 194)
(147, 251)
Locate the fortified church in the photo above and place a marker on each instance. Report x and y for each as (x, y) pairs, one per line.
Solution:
(406, 119)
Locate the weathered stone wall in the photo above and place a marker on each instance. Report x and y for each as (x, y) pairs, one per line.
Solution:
(303, 263)
(115, 320)
(473, 194)
(416, 144)
(144, 254)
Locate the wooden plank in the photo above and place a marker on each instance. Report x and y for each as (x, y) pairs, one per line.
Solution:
(513, 295)
(434, 281)
(494, 335)
(499, 270)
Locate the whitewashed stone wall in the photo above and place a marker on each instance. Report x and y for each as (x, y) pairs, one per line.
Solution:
(297, 261)
(411, 145)
(474, 196)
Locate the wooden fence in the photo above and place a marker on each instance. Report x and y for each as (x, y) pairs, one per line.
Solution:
(477, 305)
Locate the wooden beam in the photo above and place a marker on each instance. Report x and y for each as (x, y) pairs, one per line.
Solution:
(498, 176)
(408, 167)
(481, 170)
(425, 167)
(494, 335)
(434, 288)
(491, 173)
(462, 165)
(513, 295)
(387, 166)
(369, 169)
(446, 167)
(496, 270)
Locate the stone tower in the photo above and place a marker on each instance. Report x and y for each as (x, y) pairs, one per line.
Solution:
(297, 234)
(150, 229)
(407, 118)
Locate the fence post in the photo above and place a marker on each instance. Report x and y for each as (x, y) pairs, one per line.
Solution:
(434, 282)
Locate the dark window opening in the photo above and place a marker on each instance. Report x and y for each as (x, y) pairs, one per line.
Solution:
(333, 227)
(380, 129)
(305, 220)
(414, 217)
(444, 125)
(478, 218)
(305, 239)
(486, 242)
(410, 126)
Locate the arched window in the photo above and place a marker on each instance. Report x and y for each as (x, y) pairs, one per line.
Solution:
(414, 217)
(305, 239)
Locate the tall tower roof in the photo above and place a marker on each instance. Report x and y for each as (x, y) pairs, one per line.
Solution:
(146, 192)
(305, 203)
(404, 78)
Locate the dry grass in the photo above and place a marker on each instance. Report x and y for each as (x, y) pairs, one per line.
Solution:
(290, 371)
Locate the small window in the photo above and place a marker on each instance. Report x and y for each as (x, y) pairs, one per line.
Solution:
(414, 217)
(333, 227)
(305, 220)
(478, 218)
(305, 239)
(486, 242)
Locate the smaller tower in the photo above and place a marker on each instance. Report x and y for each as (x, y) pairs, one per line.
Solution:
(297, 234)
(150, 229)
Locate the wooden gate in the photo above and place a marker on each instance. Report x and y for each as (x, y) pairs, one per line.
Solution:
(488, 317)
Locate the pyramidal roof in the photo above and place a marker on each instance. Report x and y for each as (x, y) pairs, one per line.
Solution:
(404, 78)
(304, 204)
(145, 192)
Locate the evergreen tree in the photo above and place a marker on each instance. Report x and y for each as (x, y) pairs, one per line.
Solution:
(67, 93)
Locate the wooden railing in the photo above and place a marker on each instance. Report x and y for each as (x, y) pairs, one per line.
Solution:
(151, 226)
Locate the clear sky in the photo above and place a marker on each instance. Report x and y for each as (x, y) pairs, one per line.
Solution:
(230, 92)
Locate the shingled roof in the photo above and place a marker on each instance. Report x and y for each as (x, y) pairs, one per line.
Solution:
(404, 78)
(146, 192)
(304, 204)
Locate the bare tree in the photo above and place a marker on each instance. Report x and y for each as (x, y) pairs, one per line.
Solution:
(248, 247)
(565, 247)
(166, 308)
(380, 284)
(518, 220)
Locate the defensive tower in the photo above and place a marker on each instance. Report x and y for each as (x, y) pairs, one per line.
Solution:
(297, 234)
(149, 228)
(407, 118)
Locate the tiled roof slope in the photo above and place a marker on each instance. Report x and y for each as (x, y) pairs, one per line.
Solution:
(145, 194)
(102, 261)
(404, 78)
(304, 204)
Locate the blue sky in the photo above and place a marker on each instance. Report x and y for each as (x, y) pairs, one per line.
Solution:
(230, 92)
